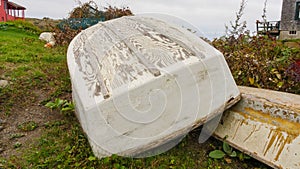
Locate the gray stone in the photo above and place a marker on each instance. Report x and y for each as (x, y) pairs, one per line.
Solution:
(3, 83)
(288, 13)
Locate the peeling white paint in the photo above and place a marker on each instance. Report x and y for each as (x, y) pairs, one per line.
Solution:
(139, 82)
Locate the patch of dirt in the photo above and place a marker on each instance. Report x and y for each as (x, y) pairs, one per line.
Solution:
(13, 137)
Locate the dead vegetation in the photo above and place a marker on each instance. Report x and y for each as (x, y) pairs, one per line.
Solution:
(83, 16)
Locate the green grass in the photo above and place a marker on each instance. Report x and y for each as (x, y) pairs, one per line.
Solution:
(29, 66)
(291, 40)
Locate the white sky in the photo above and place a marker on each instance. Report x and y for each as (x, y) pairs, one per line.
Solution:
(209, 16)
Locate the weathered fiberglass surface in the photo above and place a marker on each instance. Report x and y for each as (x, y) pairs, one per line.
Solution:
(139, 82)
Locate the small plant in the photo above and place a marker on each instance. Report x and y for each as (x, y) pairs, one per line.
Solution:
(16, 135)
(227, 150)
(28, 126)
(54, 124)
(64, 106)
(56, 104)
(17, 145)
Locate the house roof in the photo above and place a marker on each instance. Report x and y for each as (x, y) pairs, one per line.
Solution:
(12, 5)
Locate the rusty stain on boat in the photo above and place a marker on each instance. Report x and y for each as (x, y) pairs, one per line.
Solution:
(284, 133)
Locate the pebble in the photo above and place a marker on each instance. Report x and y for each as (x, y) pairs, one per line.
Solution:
(3, 83)
(1, 128)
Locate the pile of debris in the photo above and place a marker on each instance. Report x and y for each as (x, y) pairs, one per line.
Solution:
(84, 16)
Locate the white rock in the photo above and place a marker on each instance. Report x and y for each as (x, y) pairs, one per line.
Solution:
(48, 37)
(3, 83)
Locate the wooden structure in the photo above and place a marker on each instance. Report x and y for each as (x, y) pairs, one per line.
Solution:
(270, 28)
(10, 11)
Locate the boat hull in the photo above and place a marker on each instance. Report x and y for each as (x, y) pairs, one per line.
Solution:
(264, 124)
(139, 82)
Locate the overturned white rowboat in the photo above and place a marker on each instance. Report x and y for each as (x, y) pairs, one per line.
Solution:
(266, 125)
(139, 82)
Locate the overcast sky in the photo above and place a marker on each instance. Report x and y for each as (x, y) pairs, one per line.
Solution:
(209, 16)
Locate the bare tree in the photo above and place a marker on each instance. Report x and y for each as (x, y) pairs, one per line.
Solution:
(78, 2)
(264, 15)
(237, 27)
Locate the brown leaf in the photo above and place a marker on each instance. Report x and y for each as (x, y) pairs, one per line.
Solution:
(228, 160)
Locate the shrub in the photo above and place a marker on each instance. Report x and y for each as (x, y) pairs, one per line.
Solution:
(262, 62)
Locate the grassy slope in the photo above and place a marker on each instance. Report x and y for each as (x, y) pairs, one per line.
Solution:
(27, 64)
(30, 67)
